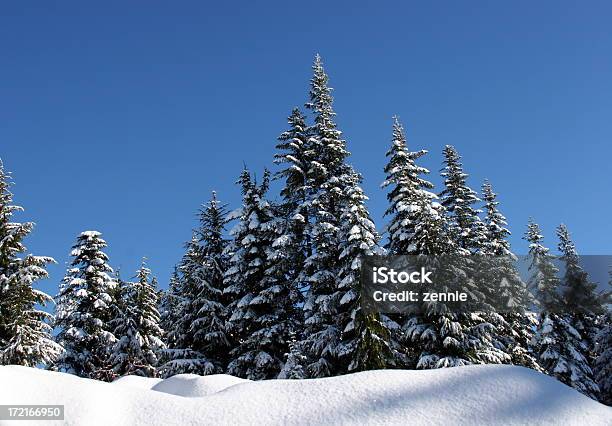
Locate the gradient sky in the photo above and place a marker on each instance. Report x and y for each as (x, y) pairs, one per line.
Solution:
(123, 116)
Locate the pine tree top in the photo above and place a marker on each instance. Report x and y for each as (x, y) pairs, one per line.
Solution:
(496, 242)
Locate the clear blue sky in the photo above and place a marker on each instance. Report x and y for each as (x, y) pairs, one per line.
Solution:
(123, 116)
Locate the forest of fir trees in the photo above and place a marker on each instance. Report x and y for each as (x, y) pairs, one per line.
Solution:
(278, 295)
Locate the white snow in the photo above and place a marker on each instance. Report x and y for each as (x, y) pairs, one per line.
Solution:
(192, 385)
(137, 382)
(471, 395)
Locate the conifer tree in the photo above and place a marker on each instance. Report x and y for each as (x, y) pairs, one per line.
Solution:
(366, 341)
(559, 345)
(338, 337)
(84, 310)
(439, 336)
(603, 362)
(582, 305)
(183, 354)
(139, 343)
(261, 321)
(409, 197)
(294, 367)
(291, 245)
(209, 329)
(458, 199)
(169, 301)
(25, 333)
(513, 325)
(194, 308)
(579, 293)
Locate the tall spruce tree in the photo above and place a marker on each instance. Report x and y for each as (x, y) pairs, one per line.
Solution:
(183, 354)
(338, 337)
(209, 329)
(366, 342)
(579, 292)
(261, 321)
(514, 325)
(559, 345)
(409, 197)
(291, 245)
(439, 336)
(84, 310)
(169, 301)
(603, 362)
(582, 305)
(139, 336)
(458, 199)
(25, 333)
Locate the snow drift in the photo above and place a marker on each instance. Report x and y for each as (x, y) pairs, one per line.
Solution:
(483, 394)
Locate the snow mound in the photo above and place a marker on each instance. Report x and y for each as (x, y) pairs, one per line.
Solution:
(192, 385)
(137, 382)
(473, 395)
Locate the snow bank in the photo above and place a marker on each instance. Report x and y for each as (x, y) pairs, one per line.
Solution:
(137, 382)
(471, 395)
(192, 385)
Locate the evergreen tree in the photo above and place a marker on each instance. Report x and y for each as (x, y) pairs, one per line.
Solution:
(458, 199)
(603, 362)
(194, 307)
(169, 301)
(261, 321)
(139, 344)
(544, 280)
(582, 304)
(338, 337)
(183, 354)
(294, 367)
(439, 336)
(514, 324)
(579, 292)
(366, 341)
(85, 308)
(410, 201)
(25, 333)
(291, 245)
(209, 330)
(559, 345)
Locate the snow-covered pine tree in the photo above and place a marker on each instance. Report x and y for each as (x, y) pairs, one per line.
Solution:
(294, 367)
(411, 207)
(182, 355)
(136, 326)
(603, 362)
(458, 198)
(582, 303)
(291, 244)
(514, 325)
(366, 342)
(408, 197)
(208, 328)
(559, 345)
(441, 338)
(543, 280)
(261, 320)
(579, 293)
(338, 219)
(84, 310)
(194, 308)
(25, 333)
(169, 301)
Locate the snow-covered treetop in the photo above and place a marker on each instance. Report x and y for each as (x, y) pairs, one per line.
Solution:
(496, 241)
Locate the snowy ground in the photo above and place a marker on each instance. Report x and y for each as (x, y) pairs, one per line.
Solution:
(466, 395)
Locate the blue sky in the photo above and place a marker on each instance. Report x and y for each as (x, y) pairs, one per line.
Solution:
(123, 116)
